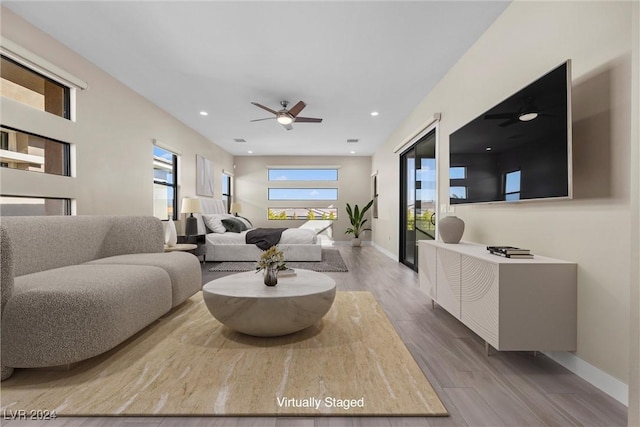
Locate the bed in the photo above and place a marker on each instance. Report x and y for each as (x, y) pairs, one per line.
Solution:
(297, 244)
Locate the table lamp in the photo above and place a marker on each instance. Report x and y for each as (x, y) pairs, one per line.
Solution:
(191, 205)
(236, 208)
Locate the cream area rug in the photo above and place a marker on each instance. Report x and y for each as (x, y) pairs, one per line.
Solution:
(351, 363)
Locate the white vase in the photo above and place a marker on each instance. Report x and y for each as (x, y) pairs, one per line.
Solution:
(356, 241)
(170, 233)
(451, 229)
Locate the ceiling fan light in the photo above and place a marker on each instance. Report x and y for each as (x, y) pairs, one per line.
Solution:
(284, 119)
(527, 117)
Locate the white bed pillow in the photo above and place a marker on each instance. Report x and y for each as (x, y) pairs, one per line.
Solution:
(214, 222)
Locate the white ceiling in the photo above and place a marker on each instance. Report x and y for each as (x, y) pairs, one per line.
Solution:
(344, 59)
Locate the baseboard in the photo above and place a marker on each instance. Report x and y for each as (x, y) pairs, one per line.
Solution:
(600, 379)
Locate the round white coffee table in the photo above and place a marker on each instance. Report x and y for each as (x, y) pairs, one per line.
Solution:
(243, 302)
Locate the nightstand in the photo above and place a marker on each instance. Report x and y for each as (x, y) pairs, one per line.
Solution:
(199, 241)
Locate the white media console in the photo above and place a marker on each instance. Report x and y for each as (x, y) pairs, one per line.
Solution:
(512, 304)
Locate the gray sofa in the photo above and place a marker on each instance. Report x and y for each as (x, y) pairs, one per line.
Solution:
(74, 287)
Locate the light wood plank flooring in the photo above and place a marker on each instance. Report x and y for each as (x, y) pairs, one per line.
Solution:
(505, 389)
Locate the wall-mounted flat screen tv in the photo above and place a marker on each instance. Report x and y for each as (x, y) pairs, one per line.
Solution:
(518, 150)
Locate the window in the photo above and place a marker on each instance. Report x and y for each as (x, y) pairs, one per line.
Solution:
(329, 213)
(323, 181)
(512, 186)
(24, 151)
(303, 194)
(165, 185)
(29, 206)
(226, 190)
(33, 89)
(303, 174)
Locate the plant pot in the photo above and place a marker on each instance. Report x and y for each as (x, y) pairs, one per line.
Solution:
(356, 241)
(451, 229)
(271, 276)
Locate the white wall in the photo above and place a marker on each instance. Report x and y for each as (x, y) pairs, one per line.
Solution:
(526, 41)
(112, 137)
(354, 187)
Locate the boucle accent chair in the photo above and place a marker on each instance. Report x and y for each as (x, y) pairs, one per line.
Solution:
(74, 287)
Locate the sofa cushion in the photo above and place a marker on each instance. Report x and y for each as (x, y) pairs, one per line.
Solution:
(45, 242)
(72, 313)
(183, 269)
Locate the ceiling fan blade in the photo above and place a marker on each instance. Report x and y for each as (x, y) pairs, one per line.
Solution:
(499, 116)
(295, 110)
(509, 123)
(259, 120)
(264, 108)
(307, 120)
(287, 127)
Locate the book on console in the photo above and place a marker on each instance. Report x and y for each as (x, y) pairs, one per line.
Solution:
(513, 256)
(508, 250)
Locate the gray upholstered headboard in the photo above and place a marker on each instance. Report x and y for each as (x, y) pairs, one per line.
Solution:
(209, 206)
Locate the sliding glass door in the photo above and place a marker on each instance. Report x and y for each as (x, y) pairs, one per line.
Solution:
(417, 197)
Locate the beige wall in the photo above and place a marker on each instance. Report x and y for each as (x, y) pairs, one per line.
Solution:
(593, 229)
(112, 137)
(353, 185)
(634, 355)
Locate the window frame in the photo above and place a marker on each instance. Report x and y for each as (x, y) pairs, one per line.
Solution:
(66, 152)
(67, 202)
(275, 213)
(228, 179)
(66, 89)
(174, 184)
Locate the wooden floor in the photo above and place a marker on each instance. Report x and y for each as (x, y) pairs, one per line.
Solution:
(505, 389)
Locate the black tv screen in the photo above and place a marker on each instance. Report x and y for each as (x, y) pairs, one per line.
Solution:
(518, 150)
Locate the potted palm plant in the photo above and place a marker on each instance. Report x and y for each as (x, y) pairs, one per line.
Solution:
(357, 219)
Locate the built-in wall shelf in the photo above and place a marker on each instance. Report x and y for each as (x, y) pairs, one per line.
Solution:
(512, 304)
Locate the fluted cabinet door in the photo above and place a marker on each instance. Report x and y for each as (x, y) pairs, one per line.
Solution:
(479, 295)
(448, 283)
(427, 270)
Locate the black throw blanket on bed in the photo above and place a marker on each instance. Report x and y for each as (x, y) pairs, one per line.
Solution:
(264, 238)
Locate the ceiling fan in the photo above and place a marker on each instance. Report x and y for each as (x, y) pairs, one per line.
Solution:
(286, 117)
(527, 112)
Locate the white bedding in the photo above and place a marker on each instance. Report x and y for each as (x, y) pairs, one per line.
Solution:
(298, 244)
(289, 236)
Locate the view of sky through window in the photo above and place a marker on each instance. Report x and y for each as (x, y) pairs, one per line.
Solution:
(303, 194)
(303, 174)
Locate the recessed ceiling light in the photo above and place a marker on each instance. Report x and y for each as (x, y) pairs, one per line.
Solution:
(204, 113)
(352, 152)
(374, 113)
(250, 152)
(488, 149)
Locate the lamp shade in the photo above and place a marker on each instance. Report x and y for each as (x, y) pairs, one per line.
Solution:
(236, 208)
(191, 205)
